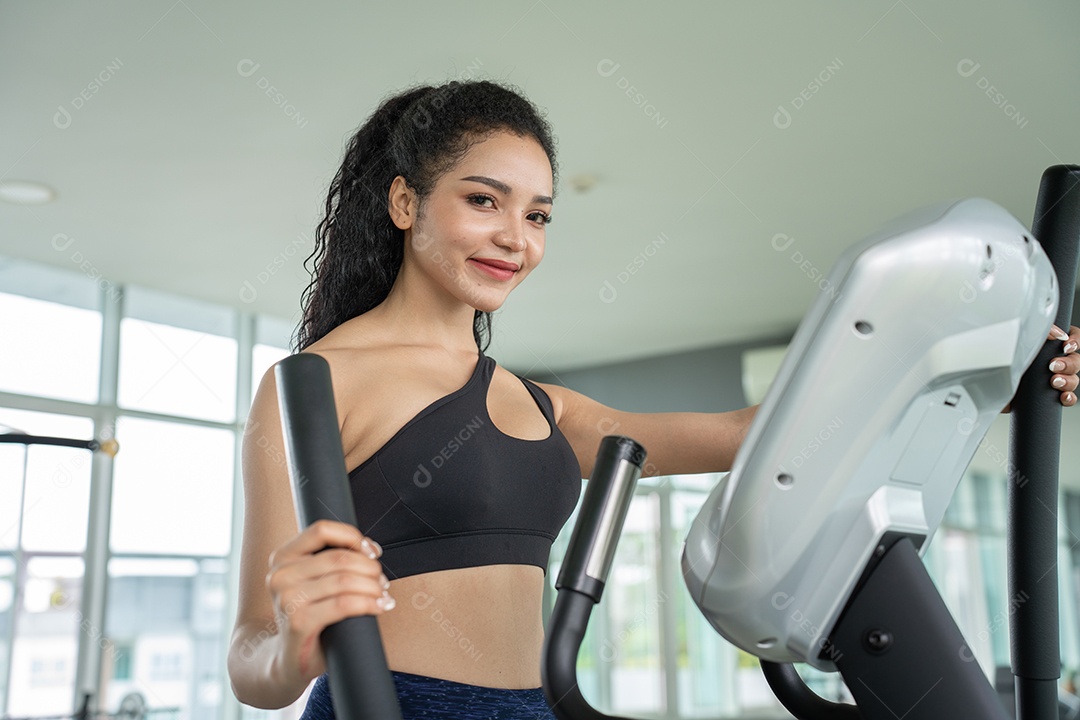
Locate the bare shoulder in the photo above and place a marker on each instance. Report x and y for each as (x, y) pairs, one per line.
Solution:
(365, 373)
(561, 398)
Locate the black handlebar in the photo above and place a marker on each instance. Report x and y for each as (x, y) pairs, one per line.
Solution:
(584, 573)
(360, 681)
(1035, 441)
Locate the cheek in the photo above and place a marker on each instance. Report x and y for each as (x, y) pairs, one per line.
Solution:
(538, 251)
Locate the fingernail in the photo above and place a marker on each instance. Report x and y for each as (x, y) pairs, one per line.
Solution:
(1058, 333)
(386, 583)
(386, 602)
(1058, 382)
(1069, 398)
(378, 547)
(1070, 347)
(368, 550)
(1057, 366)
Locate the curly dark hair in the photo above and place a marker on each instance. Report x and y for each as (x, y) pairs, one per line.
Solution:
(419, 134)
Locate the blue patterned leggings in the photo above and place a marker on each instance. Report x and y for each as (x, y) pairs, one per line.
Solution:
(429, 698)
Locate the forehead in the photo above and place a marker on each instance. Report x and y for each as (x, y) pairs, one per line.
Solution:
(519, 161)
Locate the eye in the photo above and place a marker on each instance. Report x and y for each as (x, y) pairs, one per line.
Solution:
(480, 198)
(543, 217)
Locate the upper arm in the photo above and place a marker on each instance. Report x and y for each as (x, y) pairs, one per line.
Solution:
(269, 514)
(676, 443)
(583, 421)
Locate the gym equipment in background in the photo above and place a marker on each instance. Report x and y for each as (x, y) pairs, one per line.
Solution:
(109, 447)
(809, 550)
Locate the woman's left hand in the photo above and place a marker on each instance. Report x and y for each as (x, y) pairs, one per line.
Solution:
(1066, 367)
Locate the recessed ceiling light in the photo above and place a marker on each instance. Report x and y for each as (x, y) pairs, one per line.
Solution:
(25, 192)
(583, 182)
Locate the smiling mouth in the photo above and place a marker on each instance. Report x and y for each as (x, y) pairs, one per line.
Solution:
(501, 264)
(496, 271)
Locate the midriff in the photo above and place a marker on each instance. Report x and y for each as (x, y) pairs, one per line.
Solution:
(480, 625)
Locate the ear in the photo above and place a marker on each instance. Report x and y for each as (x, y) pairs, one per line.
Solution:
(402, 204)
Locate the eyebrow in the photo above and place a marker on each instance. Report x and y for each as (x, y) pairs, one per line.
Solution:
(504, 188)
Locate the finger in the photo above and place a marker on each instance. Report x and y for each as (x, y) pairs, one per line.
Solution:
(1057, 333)
(340, 584)
(342, 560)
(295, 571)
(1065, 365)
(1068, 399)
(326, 612)
(1073, 342)
(306, 568)
(1064, 383)
(321, 534)
(335, 533)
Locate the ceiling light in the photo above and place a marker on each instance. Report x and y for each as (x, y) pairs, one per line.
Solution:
(25, 192)
(583, 182)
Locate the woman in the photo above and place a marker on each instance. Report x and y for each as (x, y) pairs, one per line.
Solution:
(463, 472)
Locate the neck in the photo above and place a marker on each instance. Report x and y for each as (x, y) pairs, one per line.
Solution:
(424, 314)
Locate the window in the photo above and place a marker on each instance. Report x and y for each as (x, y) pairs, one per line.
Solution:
(172, 488)
(177, 357)
(46, 637)
(166, 666)
(7, 614)
(12, 460)
(122, 662)
(165, 626)
(56, 495)
(61, 311)
(47, 489)
(271, 344)
(706, 664)
(631, 645)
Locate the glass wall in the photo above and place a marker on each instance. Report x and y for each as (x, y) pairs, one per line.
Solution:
(165, 384)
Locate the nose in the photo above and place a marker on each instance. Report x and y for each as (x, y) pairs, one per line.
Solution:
(512, 235)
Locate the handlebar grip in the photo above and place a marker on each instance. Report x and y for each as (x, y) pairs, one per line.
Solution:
(584, 571)
(360, 681)
(603, 510)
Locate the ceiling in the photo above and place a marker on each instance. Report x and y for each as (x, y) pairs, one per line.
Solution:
(191, 143)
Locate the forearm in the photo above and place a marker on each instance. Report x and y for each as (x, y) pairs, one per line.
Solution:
(677, 443)
(252, 669)
(688, 443)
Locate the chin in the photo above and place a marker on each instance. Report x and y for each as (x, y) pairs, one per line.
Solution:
(486, 303)
(487, 307)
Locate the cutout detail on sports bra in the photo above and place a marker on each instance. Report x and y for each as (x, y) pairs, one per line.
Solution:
(550, 421)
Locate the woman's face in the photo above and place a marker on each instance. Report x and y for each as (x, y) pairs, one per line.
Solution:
(482, 227)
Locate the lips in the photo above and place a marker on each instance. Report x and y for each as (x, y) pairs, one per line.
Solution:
(501, 264)
(495, 268)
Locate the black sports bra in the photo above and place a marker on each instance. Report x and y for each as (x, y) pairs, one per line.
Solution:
(450, 490)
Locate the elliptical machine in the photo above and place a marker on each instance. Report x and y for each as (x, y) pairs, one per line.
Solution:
(936, 319)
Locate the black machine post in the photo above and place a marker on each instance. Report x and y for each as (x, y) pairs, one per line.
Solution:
(1033, 473)
(900, 651)
(584, 572)
(360, 680)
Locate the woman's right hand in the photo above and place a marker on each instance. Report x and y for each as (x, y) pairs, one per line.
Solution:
(313, 588)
